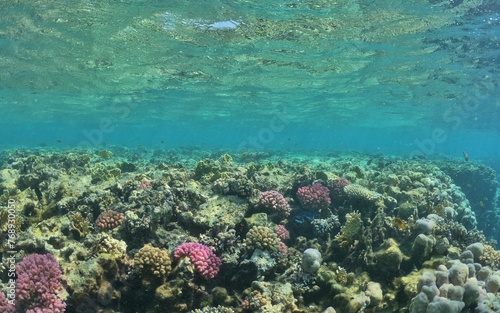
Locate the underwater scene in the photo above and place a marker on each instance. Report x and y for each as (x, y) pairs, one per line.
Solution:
(249, 156)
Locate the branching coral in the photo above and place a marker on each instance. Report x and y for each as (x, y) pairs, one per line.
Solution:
(490, 257)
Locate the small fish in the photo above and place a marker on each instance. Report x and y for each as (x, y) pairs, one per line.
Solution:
(466, 156)
(399, 223)
(481, 204)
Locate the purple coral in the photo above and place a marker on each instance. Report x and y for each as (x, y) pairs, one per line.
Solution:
(275, 201)
(338, 185)
(38, 285)
(316, 196)
(204, 260)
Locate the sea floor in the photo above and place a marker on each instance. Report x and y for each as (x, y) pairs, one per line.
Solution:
(188, 230)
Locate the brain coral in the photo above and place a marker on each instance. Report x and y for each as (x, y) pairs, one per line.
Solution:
(261, 237)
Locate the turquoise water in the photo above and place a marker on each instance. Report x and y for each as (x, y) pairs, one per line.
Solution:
(347, 75)
(176, 116)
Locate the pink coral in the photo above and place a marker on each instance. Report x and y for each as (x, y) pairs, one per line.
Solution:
(275, 201)
(316, 196)
(205, 261)
(5, 307)
(38, 285)
(282, 232)
(283, 249)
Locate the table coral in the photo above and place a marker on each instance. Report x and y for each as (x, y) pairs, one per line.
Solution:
(358, 192)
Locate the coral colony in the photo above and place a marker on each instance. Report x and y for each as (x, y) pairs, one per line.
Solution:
(227, 235)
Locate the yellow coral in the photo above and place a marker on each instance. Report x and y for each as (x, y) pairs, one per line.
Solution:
(152, 261)
(261, 237)
(341, 275)
(80, 225)
(490, 257)
(4, 218)
(105, 244)
(351, 231)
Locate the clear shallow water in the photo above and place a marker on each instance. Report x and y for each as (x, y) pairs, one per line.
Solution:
(320, 78)
(347, 75)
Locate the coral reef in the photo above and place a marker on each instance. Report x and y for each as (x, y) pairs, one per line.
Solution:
(345, 233)
(5, 306)
(337, 189)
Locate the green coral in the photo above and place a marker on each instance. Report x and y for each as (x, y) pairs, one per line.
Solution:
(261, 237)
(80, 225)
(4, 219)
(101, 172)
(211, 170)
(351, 231)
